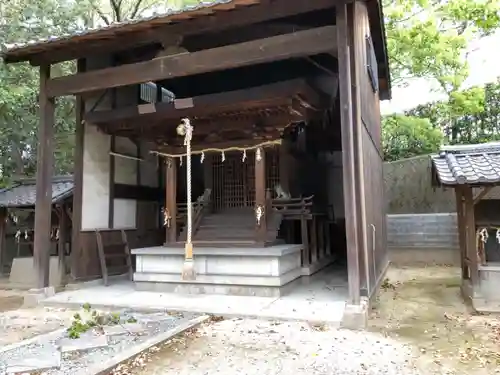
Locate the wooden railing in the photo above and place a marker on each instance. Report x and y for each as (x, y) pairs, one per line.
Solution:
(199, 207)
(294, 208)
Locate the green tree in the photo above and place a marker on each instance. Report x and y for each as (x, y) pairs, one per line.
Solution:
(405, 136)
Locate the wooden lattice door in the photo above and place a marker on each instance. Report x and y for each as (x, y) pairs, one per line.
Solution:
(233, 181)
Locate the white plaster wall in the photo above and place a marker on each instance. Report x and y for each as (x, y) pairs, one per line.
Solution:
(96, 164)
(125, 210)
(125, 214)
(125, 168)
(96, 167)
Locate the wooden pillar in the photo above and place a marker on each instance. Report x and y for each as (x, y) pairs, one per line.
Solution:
(45, 161)
(306, 255)
(77, 252)
(314, 240)
(260, 195)
(208, 177)
(328, 238)
(462, 238)
(171, 200)
(284, 166)
(3, 229)
(344, 41)
(63, 239)
(470, 230)
(321, 238)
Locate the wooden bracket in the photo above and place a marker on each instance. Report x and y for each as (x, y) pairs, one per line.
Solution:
(482, 194)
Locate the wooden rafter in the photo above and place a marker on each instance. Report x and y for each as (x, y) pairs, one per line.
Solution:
(282, 47)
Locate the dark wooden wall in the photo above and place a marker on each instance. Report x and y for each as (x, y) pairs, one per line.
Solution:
(373, 257)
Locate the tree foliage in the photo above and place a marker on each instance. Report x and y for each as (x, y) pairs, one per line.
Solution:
(407, 136)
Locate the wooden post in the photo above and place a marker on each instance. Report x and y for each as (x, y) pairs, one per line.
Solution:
(314, 240)
(63, 239)
(208, 177)
(328, 238)
(3, 228)
(348, 153)
(470, 230)
(260, 195)
(77, 263)
(462, 238)
(171, 200)
(284, 164)
(45, 161)
(306, 255)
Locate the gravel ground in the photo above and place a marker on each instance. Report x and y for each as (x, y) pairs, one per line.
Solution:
(248, 347)
(77, 363)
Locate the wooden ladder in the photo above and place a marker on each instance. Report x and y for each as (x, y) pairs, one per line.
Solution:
(113, 251)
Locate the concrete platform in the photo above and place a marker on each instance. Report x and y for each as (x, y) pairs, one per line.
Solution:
(263, 272)
(319, 298)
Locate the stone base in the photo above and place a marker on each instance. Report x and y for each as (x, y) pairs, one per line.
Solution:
(229, 271)
(355, 316)
(23, 274)
(317, 266)
(35, 296)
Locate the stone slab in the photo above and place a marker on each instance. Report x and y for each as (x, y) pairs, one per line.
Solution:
(124, 329)
(106, 367)
(36, 364)
(85, 342)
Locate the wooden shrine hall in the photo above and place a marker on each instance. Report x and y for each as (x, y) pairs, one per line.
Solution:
(285, 163)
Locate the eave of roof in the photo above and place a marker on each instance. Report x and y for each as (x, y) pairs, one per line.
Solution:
(473, 165)
(17, 52)
(22, 194)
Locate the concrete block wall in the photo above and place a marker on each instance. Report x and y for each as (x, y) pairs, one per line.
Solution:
(427, 238)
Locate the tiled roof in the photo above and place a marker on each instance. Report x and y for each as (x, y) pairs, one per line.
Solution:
(23, 193)
(203, 8)
(469, 164)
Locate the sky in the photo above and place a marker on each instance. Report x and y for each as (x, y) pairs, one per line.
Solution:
(484, 63)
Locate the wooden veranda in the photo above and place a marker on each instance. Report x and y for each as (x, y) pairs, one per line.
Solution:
(274, 89)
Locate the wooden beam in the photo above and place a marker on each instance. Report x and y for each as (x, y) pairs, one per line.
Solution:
(201, 25)
(282, 47)
(43, 206)
(264, 96)
(76, 216)
(348, 150)
(482, 194)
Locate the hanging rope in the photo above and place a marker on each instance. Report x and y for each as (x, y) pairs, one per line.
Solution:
(221, 150)
(187, 129)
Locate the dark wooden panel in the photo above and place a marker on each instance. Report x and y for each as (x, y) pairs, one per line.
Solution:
(140, 193)
(282, 47)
